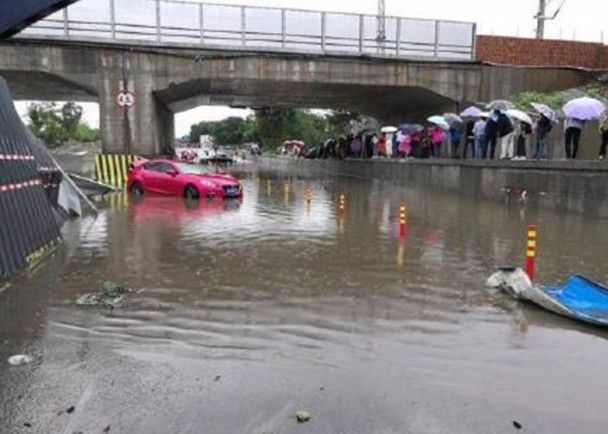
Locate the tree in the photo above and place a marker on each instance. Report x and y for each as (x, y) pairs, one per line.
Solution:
(56, 125)
(273, 126)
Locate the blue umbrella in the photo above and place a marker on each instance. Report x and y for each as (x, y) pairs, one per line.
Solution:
(410, 129)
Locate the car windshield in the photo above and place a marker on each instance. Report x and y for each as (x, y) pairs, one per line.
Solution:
(193, 169)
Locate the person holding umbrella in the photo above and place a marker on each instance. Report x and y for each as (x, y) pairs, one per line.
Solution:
(436, 137)
(505, 135)
(573, 128)
(578, 111)
(469, 140)
(481, 144)
(542, 128)
(455, 133)
(604, 134)
(491, 136)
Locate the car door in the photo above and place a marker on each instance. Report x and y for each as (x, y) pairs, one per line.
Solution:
(168, 179)
(151, 175)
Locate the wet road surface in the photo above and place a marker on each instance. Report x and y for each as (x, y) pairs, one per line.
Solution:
(243, 313)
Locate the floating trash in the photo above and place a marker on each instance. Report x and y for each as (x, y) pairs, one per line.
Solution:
(303, 416)
(111, 296)
(20, 359)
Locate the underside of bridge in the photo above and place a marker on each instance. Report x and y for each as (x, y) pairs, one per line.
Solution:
(166, 82)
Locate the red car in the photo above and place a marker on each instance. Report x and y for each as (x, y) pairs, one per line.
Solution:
(173, 178)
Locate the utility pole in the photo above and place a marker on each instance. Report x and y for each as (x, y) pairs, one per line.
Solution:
(381, 34)
(540, 19)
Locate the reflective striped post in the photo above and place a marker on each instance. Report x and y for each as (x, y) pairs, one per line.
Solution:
(342, 204)
(402, 220)
(531, 251)
(308, 196)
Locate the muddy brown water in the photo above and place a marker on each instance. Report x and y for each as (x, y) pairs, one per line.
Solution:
(241, 314)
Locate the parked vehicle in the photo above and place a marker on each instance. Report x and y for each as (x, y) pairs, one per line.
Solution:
(172, 178)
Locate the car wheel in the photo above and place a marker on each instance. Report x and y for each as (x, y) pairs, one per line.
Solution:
(137, 190)
(191, 192)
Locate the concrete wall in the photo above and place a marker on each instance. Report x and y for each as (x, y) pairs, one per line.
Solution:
(573, 187)
(502, 50)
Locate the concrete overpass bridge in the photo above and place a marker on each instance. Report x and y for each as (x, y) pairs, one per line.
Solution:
(175, 56)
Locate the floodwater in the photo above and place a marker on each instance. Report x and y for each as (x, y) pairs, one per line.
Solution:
(241, 314)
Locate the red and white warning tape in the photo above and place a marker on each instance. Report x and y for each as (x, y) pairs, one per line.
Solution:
(15, 157)
(19, 185)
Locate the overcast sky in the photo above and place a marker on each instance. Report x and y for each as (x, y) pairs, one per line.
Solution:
(579, 19)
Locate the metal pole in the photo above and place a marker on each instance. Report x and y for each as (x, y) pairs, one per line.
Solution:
(158, 21)
(323, 24)
(381, 33)
(474, 43)
(361, 33)
(112, 19)
(243, 25)
(398, 43)
(66, 25)
(201, 21)
(283, 28)
(436, 39)
(540, 19)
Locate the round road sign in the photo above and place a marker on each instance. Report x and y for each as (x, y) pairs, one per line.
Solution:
(125, 99)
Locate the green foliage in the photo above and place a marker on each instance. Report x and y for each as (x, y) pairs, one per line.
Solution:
(86, 134)
(56, 125)
(273, 126)
(524, 100)
(230, 131)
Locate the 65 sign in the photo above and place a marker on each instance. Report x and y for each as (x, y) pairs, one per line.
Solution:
(125, 99)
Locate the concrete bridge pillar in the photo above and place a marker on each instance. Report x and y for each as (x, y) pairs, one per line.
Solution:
(147, 128)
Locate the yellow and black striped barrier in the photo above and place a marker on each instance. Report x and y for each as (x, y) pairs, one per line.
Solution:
(112, 169)
(117, 201)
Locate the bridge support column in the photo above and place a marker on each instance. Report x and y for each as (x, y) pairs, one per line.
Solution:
(147, 128)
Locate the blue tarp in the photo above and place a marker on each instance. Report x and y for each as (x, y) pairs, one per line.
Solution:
(17, 14)
(584, 298)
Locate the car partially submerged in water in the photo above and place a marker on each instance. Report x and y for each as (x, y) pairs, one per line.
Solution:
(172, 178)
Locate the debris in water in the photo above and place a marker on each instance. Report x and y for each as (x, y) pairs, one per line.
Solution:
(112, 289)
(70, 410)
(20, 359)
(217, 378)
(107, 429)
(27, 425)
(517, 425)
(303, 416)
(110, 296)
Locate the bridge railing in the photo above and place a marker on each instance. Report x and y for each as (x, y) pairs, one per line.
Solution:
(174, 22)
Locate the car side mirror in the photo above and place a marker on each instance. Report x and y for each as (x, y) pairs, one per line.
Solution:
(172, 172)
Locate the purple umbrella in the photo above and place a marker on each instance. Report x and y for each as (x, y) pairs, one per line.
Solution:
(410, 128)
(471, 112)
(545, 110)
(452, 118)
(584, 109)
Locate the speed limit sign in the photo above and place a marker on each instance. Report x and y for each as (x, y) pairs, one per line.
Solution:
(125, 99)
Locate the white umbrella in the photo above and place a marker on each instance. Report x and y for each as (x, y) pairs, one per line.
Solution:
(519, 115)
(500, 104)
(452, 118)
(439, 121)
(389, 130)
(545, 110)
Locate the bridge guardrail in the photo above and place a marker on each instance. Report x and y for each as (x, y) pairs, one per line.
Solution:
(174, 22)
